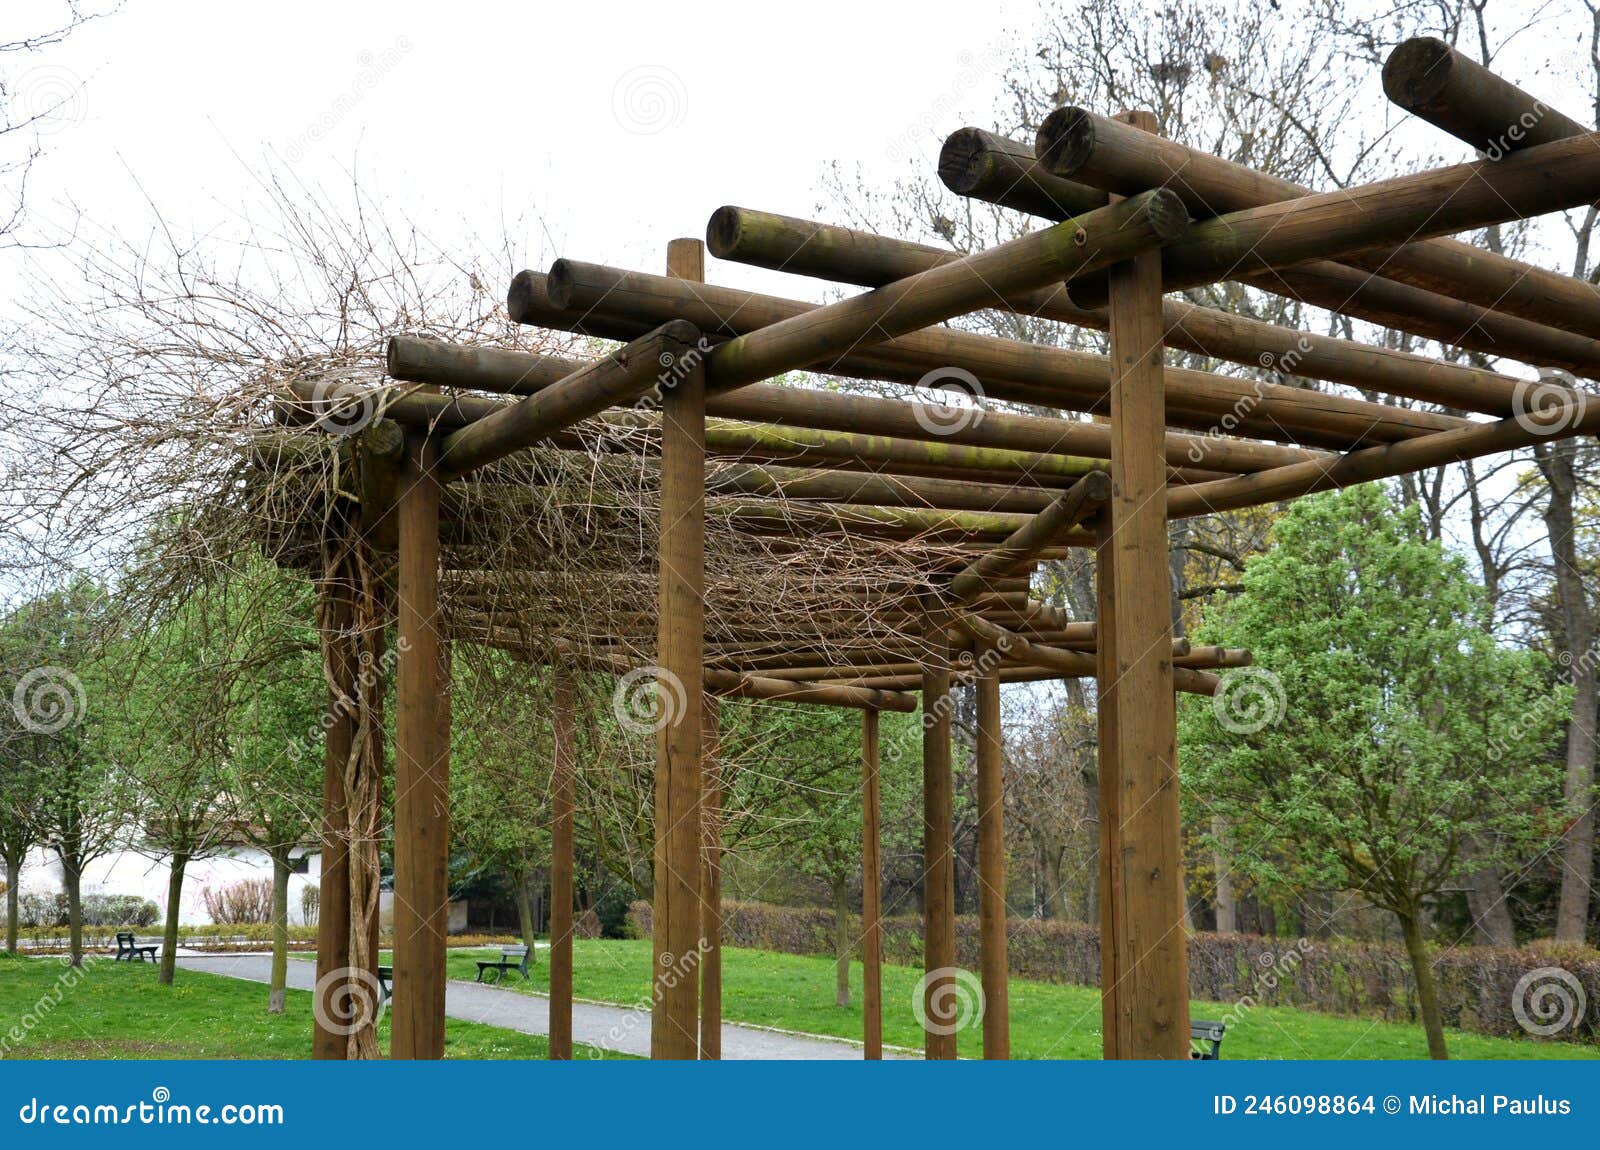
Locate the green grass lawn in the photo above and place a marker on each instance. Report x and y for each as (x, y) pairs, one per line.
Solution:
(1048, 1020)
(119, 1010)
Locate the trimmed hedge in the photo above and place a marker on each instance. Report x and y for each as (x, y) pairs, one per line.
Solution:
(1478, 986)
(52, 910)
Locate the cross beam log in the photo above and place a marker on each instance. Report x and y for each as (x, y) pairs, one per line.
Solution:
(620, 377)
(1008, 369)
(1045, 529)
(826, 251)
(1076, 143)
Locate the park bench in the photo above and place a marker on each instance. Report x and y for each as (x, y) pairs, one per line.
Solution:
(385, 977)
(1205, 1040)
(129, 947)
(511, 958)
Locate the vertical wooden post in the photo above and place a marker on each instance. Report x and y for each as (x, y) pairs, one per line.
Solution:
(938, 852)
(333, 925)
(871, 893)
(711, 880)
(376, 735)
(421, 774)
(991, 861)
(561, 788)
(675, 1025)
(1152, 946)
(1109, 789)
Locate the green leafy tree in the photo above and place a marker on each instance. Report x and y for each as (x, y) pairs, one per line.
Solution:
(810, 777)
(166, 719)
(59, 684)
(500, 776)
(1381, 733)
(276, 699)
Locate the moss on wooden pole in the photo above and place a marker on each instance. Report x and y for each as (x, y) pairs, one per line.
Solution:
(1061, 251)
(1008, 369)
(805, 247)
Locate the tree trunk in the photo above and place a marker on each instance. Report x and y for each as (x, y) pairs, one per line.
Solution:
(72, 879)
(169, 937)
(525, 917)
(276, 993)
(1577, 864)
(1491, 916)
(1221, 859)
(1055, 896)
(13, 876)
(1427, 993)
(841, 942)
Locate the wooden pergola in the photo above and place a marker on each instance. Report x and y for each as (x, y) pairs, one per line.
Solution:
(925, 530)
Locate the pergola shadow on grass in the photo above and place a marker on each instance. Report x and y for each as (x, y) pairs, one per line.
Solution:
(661, 513)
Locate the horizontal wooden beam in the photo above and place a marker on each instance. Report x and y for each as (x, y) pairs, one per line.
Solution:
(731, 684)
(1077, 144)
(1012, 370)
(1542, 179)
(1080, 502)
(1063, 251)
(620, 377)
(1455, 93)
(826, 251)
(1562, 419)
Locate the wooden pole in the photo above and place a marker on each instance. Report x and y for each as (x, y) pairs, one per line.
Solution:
(421, 773)
(1149, 934)
(1113, 995)
(871, 893)
(621, 377)
(561, 860)
(805, 247)
(1456, 94)
(333, 924)
(675, 1023)
(1059, 252)
(1008, 369)
(1072, 507)
(991, 860)
(418, 360)
(973, 162)
(938, 853)
(711, 881)
(1079, 144)
(1566, 416)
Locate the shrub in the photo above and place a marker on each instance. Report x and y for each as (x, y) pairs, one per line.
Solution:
(310, 904)
(118, 910)
(246, 901)
(1478, 986)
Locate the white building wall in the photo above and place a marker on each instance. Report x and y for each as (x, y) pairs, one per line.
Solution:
(125, 872)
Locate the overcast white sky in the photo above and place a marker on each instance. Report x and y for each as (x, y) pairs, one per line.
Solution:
(611, 127)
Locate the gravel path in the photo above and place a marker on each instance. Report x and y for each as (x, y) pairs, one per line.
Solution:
(609, 1027)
